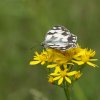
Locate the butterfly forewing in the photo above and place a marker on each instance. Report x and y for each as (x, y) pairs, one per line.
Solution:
(60, 38)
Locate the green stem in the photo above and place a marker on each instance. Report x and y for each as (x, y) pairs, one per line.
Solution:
(66, 90)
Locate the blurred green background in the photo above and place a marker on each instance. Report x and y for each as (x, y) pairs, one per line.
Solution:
(23, 24)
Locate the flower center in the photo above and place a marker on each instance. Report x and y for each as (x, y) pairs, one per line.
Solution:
(63, 73)
(43, 57)
(85, 58)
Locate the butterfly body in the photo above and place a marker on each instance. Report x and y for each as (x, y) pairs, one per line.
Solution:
(60, 38)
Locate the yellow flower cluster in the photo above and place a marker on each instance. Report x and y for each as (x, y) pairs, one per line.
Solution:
(64, 65)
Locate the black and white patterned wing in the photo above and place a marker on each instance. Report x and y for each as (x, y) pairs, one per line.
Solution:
(60, 38)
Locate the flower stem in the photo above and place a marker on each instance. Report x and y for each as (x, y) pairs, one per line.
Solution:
(66, 90)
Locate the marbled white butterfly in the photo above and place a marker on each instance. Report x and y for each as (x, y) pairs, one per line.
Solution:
(59, 38)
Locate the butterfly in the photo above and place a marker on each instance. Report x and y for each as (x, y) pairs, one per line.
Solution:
(59, 38)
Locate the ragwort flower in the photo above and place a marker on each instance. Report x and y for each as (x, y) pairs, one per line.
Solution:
(85, 56)
(63, 75)
(64, 64)
(39, 58)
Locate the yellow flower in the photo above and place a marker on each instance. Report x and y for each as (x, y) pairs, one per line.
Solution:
(61, 63)
(50, 53)
(56, 56)
(50, 80)
(63, 58)
(39, 58)
(85, 56)
(63, 75)
(78, 75)
(60, 57)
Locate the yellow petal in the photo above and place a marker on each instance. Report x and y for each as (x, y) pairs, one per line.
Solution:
(57, 69)
(91, 64)
(54, 74)
(60, 81)
(42, 62)
(57, 78)
(52, 66)
(78, 62)
(77, 58)
(34, 62)
(70, 63)
(36, 58)
(93, 59)
(36, 53)
(68, 80)
(71, 73)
